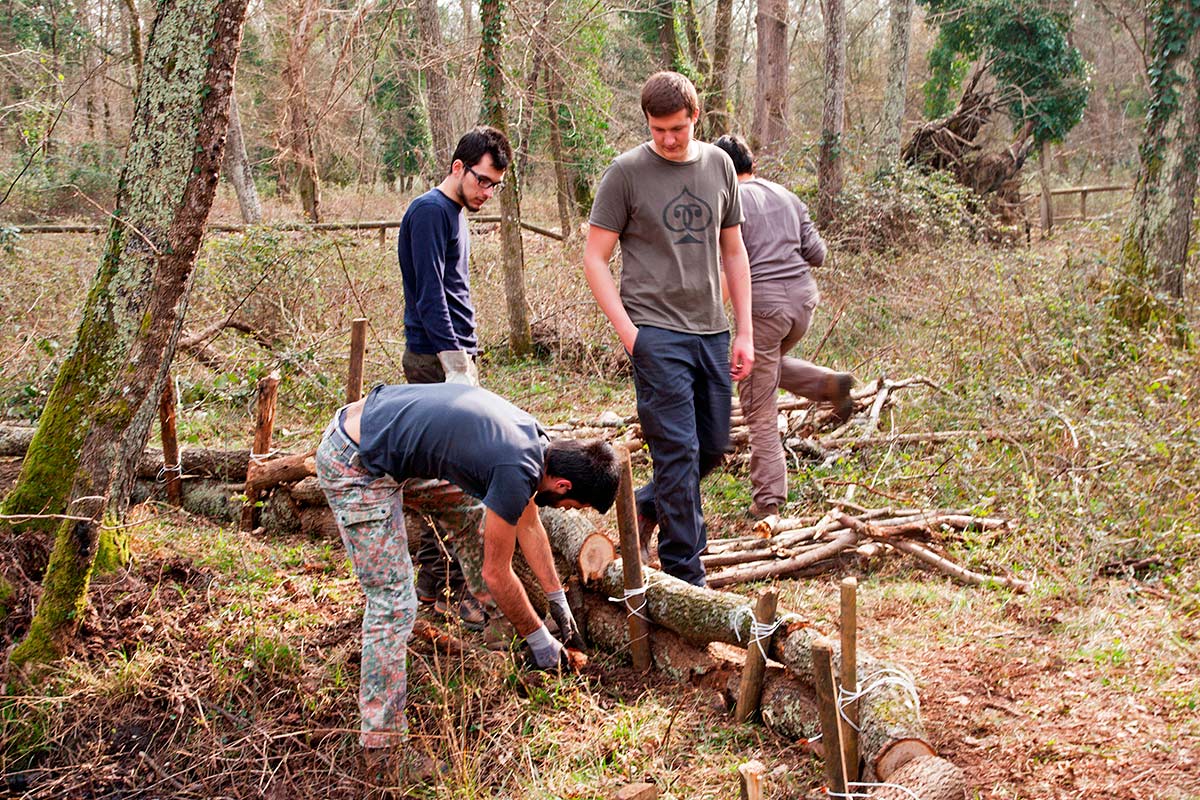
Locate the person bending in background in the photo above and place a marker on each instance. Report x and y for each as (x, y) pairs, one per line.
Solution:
(783, 246)
(483, 447)
(434, 249)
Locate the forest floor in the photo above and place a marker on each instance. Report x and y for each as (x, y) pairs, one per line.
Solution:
(225, 665)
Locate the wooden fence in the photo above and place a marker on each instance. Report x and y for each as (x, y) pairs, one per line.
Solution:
(1050, 217)
(379, 225)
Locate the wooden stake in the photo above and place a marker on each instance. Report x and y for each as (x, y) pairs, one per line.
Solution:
(631, 566)
(172, 466)
(835, 770)
(264, 429)
(751, 774)
(358, 347)
(756, 663)
(850, 675)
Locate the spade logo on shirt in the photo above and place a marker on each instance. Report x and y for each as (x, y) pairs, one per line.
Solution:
(687, 214)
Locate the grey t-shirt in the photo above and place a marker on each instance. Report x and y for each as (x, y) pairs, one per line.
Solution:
(669, 216)
(780, 238)
(468, 436)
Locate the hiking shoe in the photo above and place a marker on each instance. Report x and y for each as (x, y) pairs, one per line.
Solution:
(763, 511)
(837, 391)
(472, 612)
(391, 769)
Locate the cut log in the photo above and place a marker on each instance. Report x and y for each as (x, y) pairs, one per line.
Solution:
(263, 475)
(926, 777)
(595, 555)
(752, 773)
(784, 566)
(228, 466)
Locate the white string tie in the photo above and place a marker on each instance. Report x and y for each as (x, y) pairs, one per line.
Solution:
(630, 594)
(888, 676)
(860, 785)
(165, 471)
(259, 458)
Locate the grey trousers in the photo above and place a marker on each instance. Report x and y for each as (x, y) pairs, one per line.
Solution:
(782, 311)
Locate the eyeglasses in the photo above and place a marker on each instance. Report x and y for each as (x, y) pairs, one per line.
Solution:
(485, 182)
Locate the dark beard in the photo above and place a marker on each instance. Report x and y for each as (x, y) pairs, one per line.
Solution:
(547, 499)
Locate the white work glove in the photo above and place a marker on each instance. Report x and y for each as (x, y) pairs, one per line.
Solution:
(545, 651)
(459, 367)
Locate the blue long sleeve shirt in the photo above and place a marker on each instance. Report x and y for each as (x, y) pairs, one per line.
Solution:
(434, 248)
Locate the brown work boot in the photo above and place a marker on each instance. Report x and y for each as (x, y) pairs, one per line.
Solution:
(837, 391)
(646, 528)
(763, 511)
(472, 613)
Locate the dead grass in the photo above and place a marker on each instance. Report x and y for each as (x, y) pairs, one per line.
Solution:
(219, 655)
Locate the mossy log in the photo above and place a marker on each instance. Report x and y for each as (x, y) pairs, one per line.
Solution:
(892, 732)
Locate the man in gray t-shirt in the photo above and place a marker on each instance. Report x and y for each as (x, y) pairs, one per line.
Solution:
(673, 205)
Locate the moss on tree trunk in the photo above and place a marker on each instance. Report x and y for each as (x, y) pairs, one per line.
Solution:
(83, 457)
(1149, 286)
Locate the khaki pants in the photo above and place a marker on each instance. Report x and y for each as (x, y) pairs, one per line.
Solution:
(782, 311)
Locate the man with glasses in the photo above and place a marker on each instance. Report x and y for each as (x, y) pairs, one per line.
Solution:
(434, 249)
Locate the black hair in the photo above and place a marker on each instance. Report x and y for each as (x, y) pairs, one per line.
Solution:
(590, 465)
(481, 140)
(739, 151)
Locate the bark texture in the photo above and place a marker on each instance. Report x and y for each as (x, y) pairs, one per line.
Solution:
(237, 167)
(1154, 249)
(512, 251)
(770, 88)
(299, 155)
(899, 36)
(830, 164)
(92, 431)
(437, 85)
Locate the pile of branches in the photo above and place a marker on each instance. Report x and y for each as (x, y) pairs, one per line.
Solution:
(793, 547)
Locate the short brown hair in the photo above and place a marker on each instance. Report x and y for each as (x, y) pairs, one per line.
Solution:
(664, 93)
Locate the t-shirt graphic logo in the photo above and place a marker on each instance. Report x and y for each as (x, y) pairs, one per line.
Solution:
(687, 214)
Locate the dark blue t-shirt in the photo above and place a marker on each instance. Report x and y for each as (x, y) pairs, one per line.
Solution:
(462, 434)
(434, 248)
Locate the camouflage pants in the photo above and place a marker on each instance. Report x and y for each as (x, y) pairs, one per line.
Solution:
(370, 517)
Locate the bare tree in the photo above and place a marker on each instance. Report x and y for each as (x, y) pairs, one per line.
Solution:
(512, 250)
(899, 36)
(82, 459)
(237, 167)
(437, 87)
(770, 89)
(298, 156)
(830, 164)
(717, 89)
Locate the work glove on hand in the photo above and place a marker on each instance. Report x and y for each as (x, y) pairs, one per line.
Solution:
(568, 629)
(459, 367)
(545, 652)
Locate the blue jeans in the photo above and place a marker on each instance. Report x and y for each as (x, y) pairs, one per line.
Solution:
(684, 395)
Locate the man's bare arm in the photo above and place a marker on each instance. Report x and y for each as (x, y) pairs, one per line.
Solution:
(499, 543)
(736, 266)
(535, 546)
(596, 255)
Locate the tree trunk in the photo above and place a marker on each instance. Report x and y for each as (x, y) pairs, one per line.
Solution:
(830, 164)
(770, 91)
(237, 167)
(718, 111)
(512, 254)
(91, 434)
(1154, 249)
(698, 56)
(437, 86)
(668, 45)
(899, 36)
(134, 23)
(298, 128)
(562, 180)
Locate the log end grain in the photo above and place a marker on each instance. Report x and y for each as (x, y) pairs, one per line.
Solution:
(927, 777)
(898, 754)
(595, 556)
(637, 791)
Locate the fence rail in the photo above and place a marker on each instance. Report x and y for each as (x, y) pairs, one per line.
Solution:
(1083, 192)
(222, 227)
